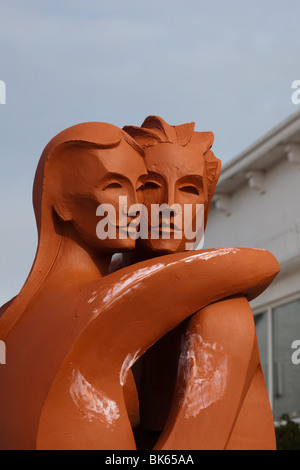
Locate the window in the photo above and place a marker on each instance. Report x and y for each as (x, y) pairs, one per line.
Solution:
(286, 328)
(276, 329)
(261, 325)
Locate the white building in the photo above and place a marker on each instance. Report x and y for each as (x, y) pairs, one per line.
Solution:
(257, 205)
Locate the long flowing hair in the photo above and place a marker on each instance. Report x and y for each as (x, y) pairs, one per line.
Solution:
(49, 227)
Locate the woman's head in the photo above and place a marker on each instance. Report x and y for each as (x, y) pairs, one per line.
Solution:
(83, 166)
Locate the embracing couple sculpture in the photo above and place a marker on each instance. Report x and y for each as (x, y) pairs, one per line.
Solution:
(156, 351)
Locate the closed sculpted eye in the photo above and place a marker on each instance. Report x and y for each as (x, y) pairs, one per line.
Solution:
(140, 187)
(152, 185)
(112, 185)
(189, 189)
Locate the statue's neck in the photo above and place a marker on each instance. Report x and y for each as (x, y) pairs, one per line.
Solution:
(137, 255)
(77, 261)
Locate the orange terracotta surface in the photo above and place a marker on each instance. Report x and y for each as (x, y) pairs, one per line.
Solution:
(74, 334)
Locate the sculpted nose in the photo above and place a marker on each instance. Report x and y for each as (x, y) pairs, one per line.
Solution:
(132, 198)
(134, 212)
(171, 196)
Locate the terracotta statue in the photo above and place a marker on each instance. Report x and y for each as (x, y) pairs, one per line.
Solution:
(73, 332)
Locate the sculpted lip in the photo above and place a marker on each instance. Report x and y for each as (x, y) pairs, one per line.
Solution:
(127, 229)
(164, 227)
(130, 225)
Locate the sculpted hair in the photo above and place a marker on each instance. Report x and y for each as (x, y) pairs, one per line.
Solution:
(90, 134)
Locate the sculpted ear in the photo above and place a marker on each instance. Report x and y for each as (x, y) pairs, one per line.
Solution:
(62, 210)
(213, 170)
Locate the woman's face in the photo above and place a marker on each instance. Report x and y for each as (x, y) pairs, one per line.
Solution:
(91, 177)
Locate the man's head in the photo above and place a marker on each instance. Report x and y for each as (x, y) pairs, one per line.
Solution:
(183, 173)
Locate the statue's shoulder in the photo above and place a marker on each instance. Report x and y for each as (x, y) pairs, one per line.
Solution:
(255, 267)
(246, 256)
(5, 306)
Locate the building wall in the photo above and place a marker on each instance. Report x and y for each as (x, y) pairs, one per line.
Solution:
(271, 221)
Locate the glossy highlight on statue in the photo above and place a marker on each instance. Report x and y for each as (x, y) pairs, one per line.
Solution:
(77, 330)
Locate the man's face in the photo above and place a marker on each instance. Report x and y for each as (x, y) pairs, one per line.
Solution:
(176, 177)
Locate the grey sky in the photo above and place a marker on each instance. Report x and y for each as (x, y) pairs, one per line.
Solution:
(227, 65)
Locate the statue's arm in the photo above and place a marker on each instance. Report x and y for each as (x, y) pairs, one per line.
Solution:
(85, 406)
(219, 358)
